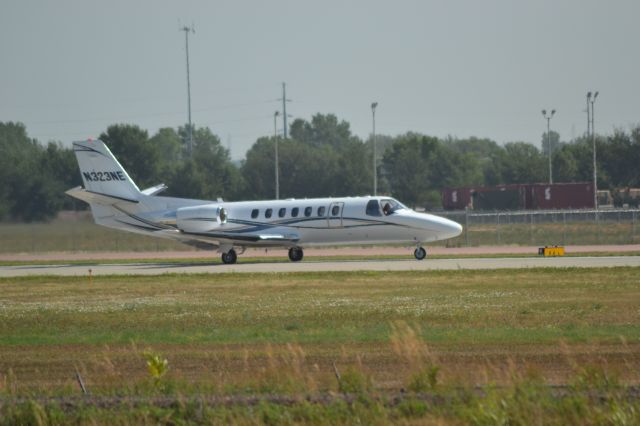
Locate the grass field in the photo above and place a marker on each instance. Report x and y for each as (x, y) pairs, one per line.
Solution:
(276, 339)
(571, 233)
(76, 236)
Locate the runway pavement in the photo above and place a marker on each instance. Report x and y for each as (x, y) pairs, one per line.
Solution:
(322, 266)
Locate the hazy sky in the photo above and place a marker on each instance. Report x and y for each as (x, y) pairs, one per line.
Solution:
(460, 68)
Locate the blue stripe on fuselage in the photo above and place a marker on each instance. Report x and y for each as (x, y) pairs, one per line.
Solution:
(252, 226)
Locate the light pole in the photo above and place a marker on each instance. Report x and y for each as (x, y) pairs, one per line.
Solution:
(591, 100)
(588, 115)
(275, 136)
(375, 165)
(548, 118)
(187, 30)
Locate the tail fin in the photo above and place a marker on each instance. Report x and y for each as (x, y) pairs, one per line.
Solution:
(110, 192)
(101, 173)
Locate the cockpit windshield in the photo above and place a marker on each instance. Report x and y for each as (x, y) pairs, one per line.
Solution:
(384, 206)
(390, 206)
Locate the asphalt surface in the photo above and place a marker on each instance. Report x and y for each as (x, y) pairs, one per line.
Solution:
(322, 266)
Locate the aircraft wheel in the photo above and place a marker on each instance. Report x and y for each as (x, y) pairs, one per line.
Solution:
(295, 254)
(230, 257)
(420, 253)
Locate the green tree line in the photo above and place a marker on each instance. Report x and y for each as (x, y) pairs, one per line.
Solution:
(320, 158)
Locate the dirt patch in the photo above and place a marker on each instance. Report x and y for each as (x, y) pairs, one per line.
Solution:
(319, 252)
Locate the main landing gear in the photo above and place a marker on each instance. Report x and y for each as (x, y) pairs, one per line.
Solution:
(230, 257)
(420, 253)
(295, 254)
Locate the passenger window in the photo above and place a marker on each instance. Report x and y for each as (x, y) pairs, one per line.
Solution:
(373, 208)
(307, 211)
(321, 211)
(282, 212)
(335, 210)
(267, 213)
(294, 212)
(254, 213)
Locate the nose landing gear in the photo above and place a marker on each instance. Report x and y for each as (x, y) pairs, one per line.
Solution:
(295, 254)
(420, 253)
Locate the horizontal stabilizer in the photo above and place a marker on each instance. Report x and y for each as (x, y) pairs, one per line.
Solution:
(97, 198)
(155, 190)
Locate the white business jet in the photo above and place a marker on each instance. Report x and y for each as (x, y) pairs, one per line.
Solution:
(231, 227)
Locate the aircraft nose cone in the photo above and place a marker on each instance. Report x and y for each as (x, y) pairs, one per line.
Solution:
(436, 227)
(450, 228)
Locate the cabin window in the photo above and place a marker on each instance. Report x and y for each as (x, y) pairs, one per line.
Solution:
(321, 211)
(294, 212)
(307, 211)
(373, 208)
(335, 210)
(282, 212)
(267, 213)
(254, 213)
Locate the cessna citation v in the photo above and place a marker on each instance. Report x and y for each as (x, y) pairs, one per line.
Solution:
(116, 202)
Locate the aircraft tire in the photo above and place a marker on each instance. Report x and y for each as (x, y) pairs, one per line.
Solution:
(296, 254)
(230, 257)
(420, 253)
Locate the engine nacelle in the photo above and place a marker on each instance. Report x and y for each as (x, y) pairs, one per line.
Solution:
(204, 218)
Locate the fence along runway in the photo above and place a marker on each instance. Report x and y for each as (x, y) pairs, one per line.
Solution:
(322, 266)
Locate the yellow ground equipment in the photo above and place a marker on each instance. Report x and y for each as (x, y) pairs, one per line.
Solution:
(551, 251)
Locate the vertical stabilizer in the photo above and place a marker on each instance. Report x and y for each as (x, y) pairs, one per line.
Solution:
(102, 173)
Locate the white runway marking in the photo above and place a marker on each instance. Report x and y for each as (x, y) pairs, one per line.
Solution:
(320, 266)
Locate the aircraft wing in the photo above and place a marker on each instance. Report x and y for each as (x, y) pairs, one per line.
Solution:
(245, 239)
(279, 237)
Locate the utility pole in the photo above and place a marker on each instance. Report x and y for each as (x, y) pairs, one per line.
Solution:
(188, 30)
(548, 118)
(284, 108)
(375, 157)
(275, 136)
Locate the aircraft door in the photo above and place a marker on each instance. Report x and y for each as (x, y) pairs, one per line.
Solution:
(334, 215)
